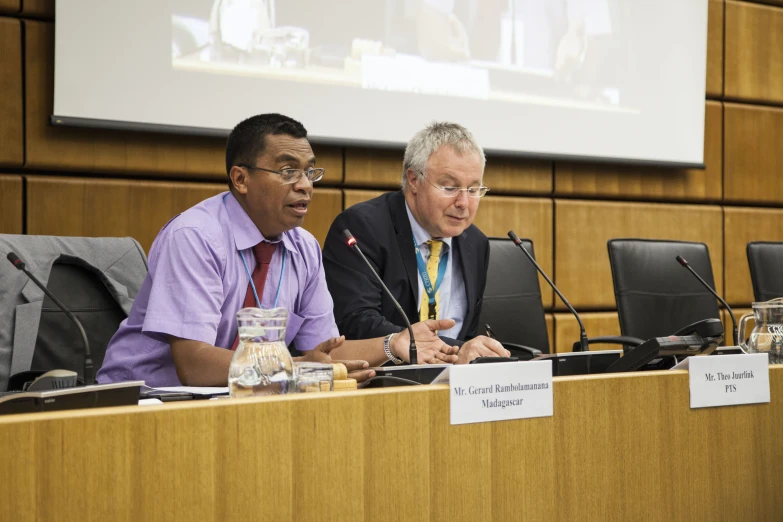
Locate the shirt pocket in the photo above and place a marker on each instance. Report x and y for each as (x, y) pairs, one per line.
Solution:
(295, 323)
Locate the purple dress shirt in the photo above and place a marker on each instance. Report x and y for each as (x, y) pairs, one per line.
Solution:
(197, 283)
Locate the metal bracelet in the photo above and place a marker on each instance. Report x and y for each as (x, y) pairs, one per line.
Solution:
(387, 349)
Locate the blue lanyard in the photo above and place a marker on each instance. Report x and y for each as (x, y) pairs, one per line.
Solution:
(250, 277)
(253, 285)
(425, 277)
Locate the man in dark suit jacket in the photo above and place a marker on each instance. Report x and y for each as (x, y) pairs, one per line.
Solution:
(441, 187)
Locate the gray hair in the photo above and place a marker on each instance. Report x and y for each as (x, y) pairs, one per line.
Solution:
(433, 137)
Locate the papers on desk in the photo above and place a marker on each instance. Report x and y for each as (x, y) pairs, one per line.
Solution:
(182, 393)
(199, 390)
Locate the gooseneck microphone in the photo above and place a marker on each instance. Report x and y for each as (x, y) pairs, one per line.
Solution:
(583, 344)
(685, 264)
(89, 377)
(352, 243)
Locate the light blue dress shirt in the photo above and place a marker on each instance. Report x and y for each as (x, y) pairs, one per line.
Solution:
(452, 302)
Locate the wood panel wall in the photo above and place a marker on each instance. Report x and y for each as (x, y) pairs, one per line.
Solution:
(10, 6)
(11, 204)
(11, 122)
(58, 180)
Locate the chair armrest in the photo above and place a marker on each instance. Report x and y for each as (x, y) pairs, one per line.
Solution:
(524, 353)
(625, 340)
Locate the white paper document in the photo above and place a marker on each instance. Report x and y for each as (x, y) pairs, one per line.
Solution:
(500, 391)
(201, 390)
(727, 380)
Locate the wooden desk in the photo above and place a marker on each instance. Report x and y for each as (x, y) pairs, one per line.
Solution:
(622, 447)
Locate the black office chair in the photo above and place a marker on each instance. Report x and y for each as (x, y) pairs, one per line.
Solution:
(655, 295)
(766, 269)
(512, 303)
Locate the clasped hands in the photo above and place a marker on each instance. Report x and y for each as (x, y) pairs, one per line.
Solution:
(430, 349)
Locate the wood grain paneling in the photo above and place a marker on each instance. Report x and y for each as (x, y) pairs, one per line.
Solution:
(754, 52)
(10, 6)
(100, 208)
(11, 122)
(11, 204)
(352, 197)
(767, 2)
(550, 331)
(518, 176)
(741, 226)
(597, 324)
(325, 206)
(715, 49)
(753, 159)
(38, 9)
(616, 181)
(582, 229)
(383, 168)
(188, 453)
(373, 167)
(104, 151)
(97, 208)
(530, 218)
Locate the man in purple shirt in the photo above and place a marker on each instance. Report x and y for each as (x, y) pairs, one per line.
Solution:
(183, 322)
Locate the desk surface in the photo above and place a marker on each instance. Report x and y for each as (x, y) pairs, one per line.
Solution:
(621, 447)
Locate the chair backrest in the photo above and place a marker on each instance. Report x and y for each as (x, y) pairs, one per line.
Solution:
(655, 295)
(766, 269)
(59, 343)
(96, 278)
(512, 303)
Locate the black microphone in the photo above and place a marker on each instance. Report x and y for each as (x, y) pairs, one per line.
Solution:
(89, 378)
(352, 243)
(684, 263)
(583, 344)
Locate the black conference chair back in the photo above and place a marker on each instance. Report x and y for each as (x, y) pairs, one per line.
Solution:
(512, 303)
(766, 269)
(655, 295)
(59, 343)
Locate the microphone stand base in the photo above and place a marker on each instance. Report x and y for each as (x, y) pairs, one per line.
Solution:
(417, 373)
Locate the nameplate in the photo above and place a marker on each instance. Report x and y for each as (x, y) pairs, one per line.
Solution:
(728, 380)
(500, 391)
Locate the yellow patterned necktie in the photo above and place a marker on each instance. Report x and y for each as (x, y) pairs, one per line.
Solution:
(433, 261)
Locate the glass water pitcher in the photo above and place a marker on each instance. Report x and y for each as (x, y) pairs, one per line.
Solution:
(262, 364)
(767, 334)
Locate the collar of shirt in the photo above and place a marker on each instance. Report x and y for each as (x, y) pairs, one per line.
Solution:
(421, 235)
(246, 234)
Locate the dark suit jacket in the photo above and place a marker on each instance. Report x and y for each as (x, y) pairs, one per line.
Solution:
(382, 230)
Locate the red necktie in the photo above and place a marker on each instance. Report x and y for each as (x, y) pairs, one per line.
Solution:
(263, 253)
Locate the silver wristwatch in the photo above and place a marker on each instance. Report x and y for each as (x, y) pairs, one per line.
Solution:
(387, 349)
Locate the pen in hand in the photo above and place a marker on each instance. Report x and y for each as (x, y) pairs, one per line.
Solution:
(490, 333)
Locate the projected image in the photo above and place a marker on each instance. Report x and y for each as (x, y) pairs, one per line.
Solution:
(526, 51)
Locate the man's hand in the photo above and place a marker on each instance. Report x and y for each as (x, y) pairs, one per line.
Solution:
(481, 346)
(320, 354)
(430, 349)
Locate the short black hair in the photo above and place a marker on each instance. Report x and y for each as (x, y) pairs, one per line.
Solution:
(248, 139)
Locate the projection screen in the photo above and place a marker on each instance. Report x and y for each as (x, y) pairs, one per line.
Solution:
(603, 79)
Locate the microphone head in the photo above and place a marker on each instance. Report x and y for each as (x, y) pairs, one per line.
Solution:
(349, 237)
(14, 259)
(682, 261)
(514, 237)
